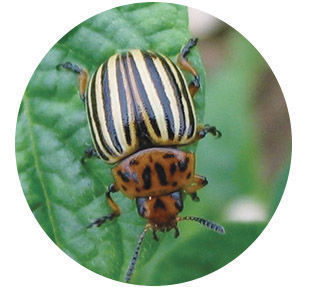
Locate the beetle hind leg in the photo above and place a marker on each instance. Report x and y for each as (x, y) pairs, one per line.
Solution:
(185, 65)
(115, 209)
(83, 76)
(155, 235)
(203, 130)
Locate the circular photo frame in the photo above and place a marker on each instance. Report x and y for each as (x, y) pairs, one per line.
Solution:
(153, 139)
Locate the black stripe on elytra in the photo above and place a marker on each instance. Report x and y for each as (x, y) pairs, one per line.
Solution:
(146, 176)
(161, 174)
(143, 95)
(191, 128)
(99, 151)
(177, 92)
(153, 72)
(140, 126)
(95, 118)
(123, 102)
(108, 108)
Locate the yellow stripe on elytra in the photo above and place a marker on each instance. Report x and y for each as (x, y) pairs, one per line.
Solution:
(152, 95)
(138, 98)
(115, 102)
(92, 122)
(190, 103)
(134, 142)
(100, 109)
(184, 102)
(170, 95)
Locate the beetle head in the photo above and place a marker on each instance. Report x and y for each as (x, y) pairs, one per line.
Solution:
(162, 215)
(161, 211)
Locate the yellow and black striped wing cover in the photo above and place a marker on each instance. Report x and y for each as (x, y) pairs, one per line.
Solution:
(136, 100)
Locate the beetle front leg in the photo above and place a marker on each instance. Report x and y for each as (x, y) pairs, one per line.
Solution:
(194, 196)
(115, 207)
(186, 66)
(83, 76)
(198, 181)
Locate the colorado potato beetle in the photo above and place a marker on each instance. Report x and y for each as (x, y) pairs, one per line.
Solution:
(140, 111)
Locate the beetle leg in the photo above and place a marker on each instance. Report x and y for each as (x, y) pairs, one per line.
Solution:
(82, 77)
(202, 130)
(115, 207)
(186, 66)
(194, 197)
(176, 232)
(89, 153)
(155, 235)
(197, 182)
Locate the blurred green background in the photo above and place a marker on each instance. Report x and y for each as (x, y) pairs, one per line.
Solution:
(247, 168)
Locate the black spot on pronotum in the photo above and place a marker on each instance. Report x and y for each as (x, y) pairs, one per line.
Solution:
(161, 174)
(123, 187)
(146, 176)
(188, 176)
(134, 162)
(183, 164)
(159, 204)
(150, 158)
(173, 168)
(174, 183)
(124, 176)
(137, 189)
(168, 155)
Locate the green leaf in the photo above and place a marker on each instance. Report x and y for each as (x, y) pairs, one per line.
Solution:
(52, 134)
(206, 253)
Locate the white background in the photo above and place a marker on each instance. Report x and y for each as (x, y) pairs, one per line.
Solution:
(281, 30)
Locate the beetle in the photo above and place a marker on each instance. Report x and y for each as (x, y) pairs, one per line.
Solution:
(140, 110)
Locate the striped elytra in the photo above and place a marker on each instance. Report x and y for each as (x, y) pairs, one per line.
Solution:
(137, 100)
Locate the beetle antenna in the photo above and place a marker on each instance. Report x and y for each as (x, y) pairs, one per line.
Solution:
(135, 255)
(207, 223)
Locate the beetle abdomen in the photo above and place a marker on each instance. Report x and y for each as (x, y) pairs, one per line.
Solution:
(137, 100)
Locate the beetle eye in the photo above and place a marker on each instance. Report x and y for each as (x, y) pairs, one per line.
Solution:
(177, 196)
(140, 205)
